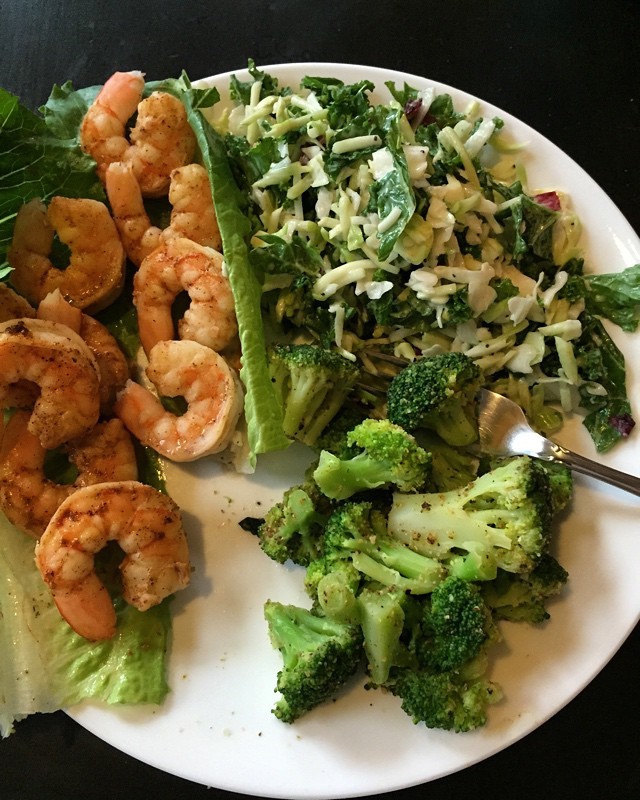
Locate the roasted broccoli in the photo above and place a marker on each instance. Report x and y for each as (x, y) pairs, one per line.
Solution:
(292, 529)
(451, 467)
(312, 384)
(560, 483)
(439, 393)
(523, 598)
(382, 618)
(334, 437)
(319, 656)
(455, 626)
(445, 700)
(501, 519)
(384, 454)
(356, 532)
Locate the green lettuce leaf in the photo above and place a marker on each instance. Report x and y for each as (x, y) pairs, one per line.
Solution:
(615, 296)
(45, 666)
(40, 155)
(262, 411)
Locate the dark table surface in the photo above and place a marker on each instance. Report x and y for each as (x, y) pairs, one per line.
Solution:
(567, 68)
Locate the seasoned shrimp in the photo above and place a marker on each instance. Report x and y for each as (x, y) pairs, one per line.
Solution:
(182, 265)
(160, 141)
(95, 274)
(209, 386)
(13, 305)
(28, 498)
(112, 364)
(147, 526)
(193, 215)
(56, 360)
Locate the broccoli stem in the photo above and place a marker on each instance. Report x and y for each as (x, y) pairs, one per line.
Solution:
(341, 479)
(382, 621)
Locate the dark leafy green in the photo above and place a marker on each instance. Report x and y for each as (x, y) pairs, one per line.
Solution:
(40, 155)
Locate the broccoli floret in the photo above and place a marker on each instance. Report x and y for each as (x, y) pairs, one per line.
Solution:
(357, 532)
(312, 384)
(319, 656)
(523, 598)
(292, 529)
(384, 454)
(333, 584)
(560, 483)
(382, 618)
(501, 519)
(451, 467)
(456, 625)
(450, 636)
(437, 392)
(445, 700)
(334, 437)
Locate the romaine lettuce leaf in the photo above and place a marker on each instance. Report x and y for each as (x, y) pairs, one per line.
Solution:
(45, 666)
(262, 411)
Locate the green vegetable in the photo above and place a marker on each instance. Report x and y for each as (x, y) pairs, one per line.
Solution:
(384, 454)
(451, 467)
(523, 598)
(382, 618)
(455, 626)
(357, 532)
(292, 529)
(46, 666)
(446, 700)
(439, 393)
(262, 412)
(40, 156)
(311, 384)
(319, 656)
(501, 519)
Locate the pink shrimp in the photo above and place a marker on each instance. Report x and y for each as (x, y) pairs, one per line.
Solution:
(160, 141)
(148, 527)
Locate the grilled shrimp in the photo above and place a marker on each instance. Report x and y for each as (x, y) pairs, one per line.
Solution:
(209, 386)
(57, 361)
(28, 498)
(182, 265)
(112, 364)
(13, 305)
(160, 141)
(193, 215)
(95, 274)
(147, 526)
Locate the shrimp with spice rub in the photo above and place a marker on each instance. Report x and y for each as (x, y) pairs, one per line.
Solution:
(207, 383)
(112, 364)
(95, 275)
(193, 215)
(148, 527)
(160, 140)
(47, 356)
(182, 265)
(13, 305)
(28, 498)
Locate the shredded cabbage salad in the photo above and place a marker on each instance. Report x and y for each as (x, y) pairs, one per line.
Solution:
(409, 228)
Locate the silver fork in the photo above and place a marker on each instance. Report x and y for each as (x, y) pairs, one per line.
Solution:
(504, 430)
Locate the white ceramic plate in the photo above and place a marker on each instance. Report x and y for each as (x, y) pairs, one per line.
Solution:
(216, 727)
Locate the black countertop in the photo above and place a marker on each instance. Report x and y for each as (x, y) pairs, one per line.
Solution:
(567, 68)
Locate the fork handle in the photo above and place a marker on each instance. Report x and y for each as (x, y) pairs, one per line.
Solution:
(591, 468)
